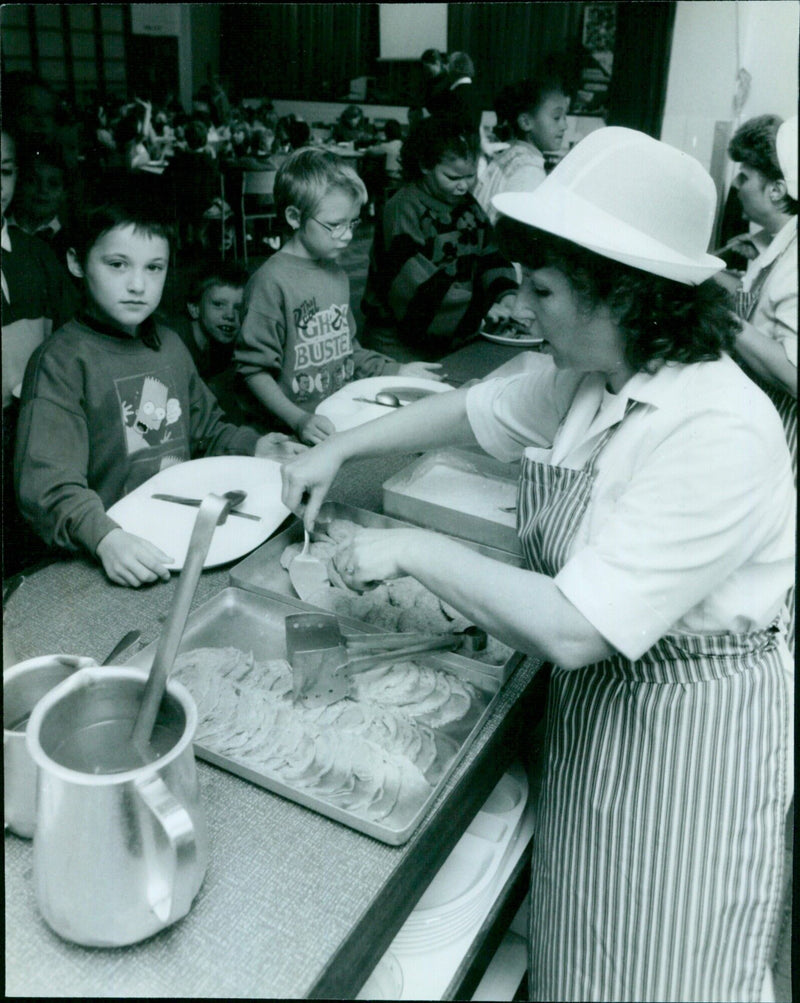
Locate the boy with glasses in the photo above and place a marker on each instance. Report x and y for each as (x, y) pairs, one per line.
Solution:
(297, 344)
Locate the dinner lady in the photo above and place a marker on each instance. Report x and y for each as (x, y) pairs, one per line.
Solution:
(656, 513)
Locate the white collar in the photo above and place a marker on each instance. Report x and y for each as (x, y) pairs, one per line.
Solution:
(654, 389)
(782, 239)
(54, 225)
(461, 80)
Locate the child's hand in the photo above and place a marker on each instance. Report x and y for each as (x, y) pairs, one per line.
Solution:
(277, 446)
(425, 370)
(504, 307)
(314, 428)
(130, 560)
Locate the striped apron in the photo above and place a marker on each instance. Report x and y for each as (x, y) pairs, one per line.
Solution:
(658, 853)
(785, 405)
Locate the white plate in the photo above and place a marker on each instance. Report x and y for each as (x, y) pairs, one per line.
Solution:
(385, 982)
(169, 525)
(346, 412)
(501, 339)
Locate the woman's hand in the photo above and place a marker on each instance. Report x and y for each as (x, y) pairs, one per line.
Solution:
(307, 479)
(502, 308)
(424, 370)
(743, 244)
(314, 428)
(374, 555)
(130, 560)
(277, 446)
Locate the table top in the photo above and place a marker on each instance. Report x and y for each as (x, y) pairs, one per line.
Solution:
(293, 904)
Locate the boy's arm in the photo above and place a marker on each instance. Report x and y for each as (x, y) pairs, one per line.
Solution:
(267, 392)
(51, 463)
(210, 433)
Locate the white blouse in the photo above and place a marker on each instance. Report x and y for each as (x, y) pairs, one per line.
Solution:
(690, 527)
(775, 314)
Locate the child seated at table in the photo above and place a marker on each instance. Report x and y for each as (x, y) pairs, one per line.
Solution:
(434, 271)
(114, 397)
(210, 326)
(297, 344)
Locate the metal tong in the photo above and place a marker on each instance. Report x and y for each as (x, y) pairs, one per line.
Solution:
(323, 659)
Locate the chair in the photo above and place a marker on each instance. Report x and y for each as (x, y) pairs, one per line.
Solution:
(261, 184)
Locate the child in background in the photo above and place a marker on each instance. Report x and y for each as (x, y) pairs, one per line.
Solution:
(532, 116)
(297, 345)
(390, 148)
(434, 271)
(210, 327)
(41, 200)
(37, 298)
(213, 306)
(113, 398)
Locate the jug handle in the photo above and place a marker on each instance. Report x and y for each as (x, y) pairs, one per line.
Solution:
(178, 827)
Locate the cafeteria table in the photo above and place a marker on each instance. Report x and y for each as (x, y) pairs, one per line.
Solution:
(293, 905)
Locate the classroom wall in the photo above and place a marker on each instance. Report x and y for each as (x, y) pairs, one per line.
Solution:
(712, 40)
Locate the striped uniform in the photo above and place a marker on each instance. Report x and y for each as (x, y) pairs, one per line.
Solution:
(785, 403)
(657, 859)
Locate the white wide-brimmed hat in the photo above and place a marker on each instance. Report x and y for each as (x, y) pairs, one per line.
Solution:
(786, 148)
(629, 197)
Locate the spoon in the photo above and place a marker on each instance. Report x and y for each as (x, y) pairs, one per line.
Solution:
(213, 512)
(382, 397)
(307, 573)
(389, 399)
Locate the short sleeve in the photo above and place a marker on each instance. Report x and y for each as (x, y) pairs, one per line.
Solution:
(713, 496)
(508, 415)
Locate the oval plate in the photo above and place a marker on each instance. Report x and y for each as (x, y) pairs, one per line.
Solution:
(169, 525)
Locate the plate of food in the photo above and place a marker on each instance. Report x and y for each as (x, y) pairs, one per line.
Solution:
(355, 403)
(169, 523)
(508, 331)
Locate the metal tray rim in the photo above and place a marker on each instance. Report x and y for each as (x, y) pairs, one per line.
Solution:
(383, 833)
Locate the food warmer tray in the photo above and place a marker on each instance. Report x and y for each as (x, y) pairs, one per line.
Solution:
(253, 622)
(461, 493)
(261, 572)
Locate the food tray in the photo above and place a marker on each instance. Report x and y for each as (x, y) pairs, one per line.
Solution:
(252, 622)
(460, 493)
(261, 572)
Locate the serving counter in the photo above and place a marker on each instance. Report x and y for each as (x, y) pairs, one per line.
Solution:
(293, 904)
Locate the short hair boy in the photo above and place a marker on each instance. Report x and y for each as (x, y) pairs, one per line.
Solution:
(113, 398)
(214, 316)
(298, 323)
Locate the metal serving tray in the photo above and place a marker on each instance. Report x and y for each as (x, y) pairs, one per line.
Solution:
(476, 486)
(252, 622)
(261, 572)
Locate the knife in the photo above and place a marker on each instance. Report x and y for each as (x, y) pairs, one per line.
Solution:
(196, 502)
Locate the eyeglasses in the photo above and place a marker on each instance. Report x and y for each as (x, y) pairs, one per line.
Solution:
(338, 230)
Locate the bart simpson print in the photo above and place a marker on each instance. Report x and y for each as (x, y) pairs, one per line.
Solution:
(145, 426)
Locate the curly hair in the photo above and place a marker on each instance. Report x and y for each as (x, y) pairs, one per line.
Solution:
(661, 320)
(431, 141)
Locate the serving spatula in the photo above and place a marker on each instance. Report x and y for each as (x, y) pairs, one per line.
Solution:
(323, 659)
(307, 573)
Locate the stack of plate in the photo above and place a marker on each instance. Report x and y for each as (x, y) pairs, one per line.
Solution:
(464, 888)
(385, 982)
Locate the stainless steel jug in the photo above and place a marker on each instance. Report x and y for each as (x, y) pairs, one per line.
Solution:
(24, 685)
(121, 847)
